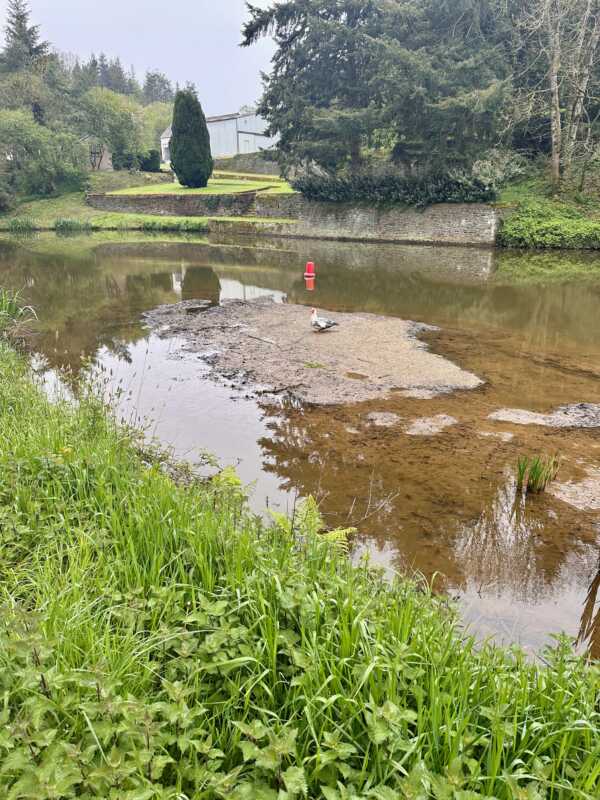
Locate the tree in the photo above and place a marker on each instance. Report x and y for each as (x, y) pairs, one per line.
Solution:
(157, 88)
(191, 158)
(23, 47)
(561, 42)
(426, 80)
(39, 161)
(111, 120)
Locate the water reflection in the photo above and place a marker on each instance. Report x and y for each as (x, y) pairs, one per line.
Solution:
(444, 504)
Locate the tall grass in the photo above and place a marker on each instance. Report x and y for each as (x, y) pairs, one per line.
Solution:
(72, 227)
(158, 641)
(12, 310)
(535, 473)
(22, 226)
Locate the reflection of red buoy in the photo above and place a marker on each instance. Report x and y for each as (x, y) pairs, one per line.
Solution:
(310, 270)
(310, 283)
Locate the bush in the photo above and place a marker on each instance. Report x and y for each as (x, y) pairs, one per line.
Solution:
(144, 161)
(547, 225)
(394, 188)
(150, 161)
(6, 200)
(43, 162)
(191, 158)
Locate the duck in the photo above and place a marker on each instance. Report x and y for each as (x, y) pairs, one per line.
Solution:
(321, 324)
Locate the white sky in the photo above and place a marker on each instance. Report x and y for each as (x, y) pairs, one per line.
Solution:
(188, 40)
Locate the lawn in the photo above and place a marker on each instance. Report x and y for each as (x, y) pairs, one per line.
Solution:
(216, 186)
(157, 640)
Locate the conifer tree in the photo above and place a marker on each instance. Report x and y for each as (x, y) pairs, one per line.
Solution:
(23, 46)
(191, 159)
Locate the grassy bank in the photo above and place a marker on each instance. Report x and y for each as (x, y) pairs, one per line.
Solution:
(158, 641)
(536, 218)
(69, 213)
(216, 186)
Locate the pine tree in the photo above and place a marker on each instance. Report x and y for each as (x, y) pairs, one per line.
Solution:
(191, 159)
(23, 46)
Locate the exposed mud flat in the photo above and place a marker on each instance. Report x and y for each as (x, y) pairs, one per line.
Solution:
(271, 347)
(576, 415)
(583, 495)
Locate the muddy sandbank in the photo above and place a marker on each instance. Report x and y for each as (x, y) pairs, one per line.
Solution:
(271, 347)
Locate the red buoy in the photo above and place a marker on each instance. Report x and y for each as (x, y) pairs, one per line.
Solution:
(310, 282)
(310, 270)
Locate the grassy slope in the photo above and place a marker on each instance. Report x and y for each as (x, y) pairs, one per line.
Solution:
(44, 213)
(542, 220)
(159, 642)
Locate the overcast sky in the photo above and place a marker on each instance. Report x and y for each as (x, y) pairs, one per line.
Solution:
(188, 40)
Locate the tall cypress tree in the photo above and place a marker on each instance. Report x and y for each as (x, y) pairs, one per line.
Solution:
(191, 159)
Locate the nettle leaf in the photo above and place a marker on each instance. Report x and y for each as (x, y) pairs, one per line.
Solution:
(159, 763)
(294, 779)
(250, 751)
(253, 791)
(254, 730)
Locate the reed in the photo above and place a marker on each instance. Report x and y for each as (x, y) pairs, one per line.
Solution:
(160, 641)
(535, 473)
(21, 226)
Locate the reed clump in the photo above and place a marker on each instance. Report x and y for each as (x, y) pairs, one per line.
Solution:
(534, 473)
(160, 641)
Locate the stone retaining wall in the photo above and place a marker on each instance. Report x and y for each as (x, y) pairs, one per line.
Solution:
(173, 205)
(445, 223)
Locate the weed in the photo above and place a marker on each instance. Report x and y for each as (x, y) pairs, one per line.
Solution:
(162, 641)
(72, 227)
(21, 226)
(314, 365)
(535, 473)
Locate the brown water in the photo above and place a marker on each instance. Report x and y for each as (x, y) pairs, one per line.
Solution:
(442, 505)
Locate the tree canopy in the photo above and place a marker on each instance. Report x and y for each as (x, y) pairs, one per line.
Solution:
(429, 84)
(191, 158)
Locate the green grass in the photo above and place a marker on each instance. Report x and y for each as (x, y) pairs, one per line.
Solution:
(44, 215)
(159, 641)
(215, 187)
(112, 181)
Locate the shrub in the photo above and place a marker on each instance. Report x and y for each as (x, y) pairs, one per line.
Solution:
(145, 161)
(150, 161)
(393, 188)
(191, 158)
(548, 225)
(6, 200)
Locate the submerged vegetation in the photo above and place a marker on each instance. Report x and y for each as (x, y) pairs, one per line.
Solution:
(159, 641)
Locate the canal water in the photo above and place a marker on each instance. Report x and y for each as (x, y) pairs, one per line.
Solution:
(442, 505)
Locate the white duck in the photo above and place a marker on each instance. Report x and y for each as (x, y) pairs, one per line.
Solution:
(320, 324)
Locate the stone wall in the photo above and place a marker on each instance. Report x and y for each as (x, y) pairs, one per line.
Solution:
(173, 205)
(290, 215)
(445, 223)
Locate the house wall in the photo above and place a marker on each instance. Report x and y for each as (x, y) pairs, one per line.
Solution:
(232, 136)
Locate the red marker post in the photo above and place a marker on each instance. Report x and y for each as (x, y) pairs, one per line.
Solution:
(309, 276)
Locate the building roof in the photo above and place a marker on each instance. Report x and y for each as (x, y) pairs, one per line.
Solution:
(168, 133)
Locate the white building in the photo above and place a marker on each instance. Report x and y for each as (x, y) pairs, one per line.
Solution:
(230, 135)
